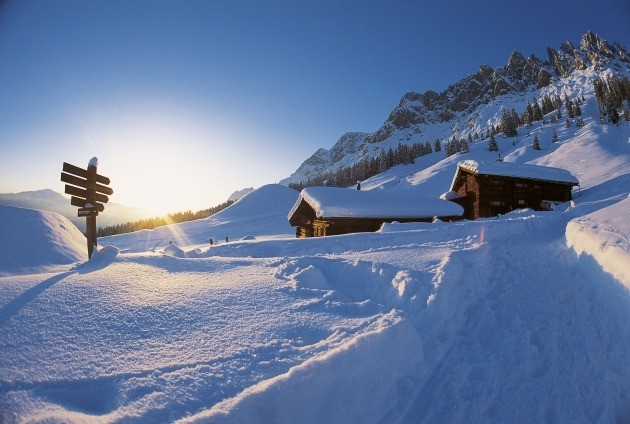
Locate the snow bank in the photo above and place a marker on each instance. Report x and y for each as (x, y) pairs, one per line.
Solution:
(34, 241)
(605, 235)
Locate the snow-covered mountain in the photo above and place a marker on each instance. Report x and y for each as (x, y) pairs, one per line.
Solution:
(474, 102)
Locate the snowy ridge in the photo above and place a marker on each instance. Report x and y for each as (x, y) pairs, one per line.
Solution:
(267, 205)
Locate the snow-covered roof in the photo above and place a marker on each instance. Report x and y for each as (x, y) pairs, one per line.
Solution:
(334, 202)
(517, 170)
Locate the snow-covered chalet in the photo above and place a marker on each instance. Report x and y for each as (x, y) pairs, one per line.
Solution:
(324, 211)
(489, 189)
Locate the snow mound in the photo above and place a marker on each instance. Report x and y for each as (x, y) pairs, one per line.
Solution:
(261, 213)
(174, 250)
(605, 235)
(268, 199)
(33, 241)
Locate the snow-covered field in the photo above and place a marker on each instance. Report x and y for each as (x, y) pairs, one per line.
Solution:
(519, 318)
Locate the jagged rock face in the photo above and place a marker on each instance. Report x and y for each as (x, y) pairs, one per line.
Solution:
(465, 95)
(516, 76)
(324, 160)
(593, 49)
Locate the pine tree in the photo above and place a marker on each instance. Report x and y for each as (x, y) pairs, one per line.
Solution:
(382, 162)
(508, 124)
(463, 145)
(567, 123)
(554, 136)
(537, 112)
(569, 106)
(536, 144)
(438, 145)
(576, 108)
(492, 144)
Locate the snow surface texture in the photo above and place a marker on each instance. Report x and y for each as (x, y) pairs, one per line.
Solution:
(334, 202)
(519, 318)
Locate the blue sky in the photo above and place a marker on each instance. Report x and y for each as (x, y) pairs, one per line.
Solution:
(184, 102)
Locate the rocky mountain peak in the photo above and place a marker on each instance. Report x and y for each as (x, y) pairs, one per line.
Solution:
(516, 76)
(516, 60)
(485, 72)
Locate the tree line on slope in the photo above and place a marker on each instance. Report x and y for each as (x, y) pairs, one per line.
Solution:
(366, 168)
(510, 121)
(610, 94)
(150, 223)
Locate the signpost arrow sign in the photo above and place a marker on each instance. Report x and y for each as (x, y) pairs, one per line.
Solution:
(89, 191)
(78, 202)
(80, 182)
(82, 193)
(88, 212)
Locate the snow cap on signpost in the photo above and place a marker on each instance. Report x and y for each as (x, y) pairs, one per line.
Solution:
(93, 162)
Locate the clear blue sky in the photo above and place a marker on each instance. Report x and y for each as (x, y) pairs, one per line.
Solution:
(184, 102)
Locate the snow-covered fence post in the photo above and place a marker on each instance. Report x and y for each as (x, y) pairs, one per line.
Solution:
(88, 190)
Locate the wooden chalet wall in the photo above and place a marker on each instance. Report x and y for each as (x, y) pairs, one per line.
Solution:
(490, 195)
(303, 219)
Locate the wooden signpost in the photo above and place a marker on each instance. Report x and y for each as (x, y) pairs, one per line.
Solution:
(89, 192)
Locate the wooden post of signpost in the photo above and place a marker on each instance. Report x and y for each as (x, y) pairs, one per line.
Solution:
(88, 190)
(90, 220)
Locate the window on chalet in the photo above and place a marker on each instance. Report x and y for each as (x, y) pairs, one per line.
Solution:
(496, 203)
(521, 185)
(522, 202)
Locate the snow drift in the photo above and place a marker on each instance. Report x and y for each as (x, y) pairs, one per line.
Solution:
(33, 241)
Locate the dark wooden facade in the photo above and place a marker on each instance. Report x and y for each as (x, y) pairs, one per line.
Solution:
(309, 225)
(483, 195)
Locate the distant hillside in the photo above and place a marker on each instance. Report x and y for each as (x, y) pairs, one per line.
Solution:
(50, 200)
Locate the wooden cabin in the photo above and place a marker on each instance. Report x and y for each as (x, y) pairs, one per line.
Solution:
(325, 211)
(490, 189)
